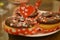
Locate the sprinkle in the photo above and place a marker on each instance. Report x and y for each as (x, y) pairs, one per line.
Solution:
(22, 8)
(19, 30)
(13, 16)
(26, 10)
(50, 12)
(24, 29)
(43, 20)
(28, 18)
(55, 18)
(21, 18)
(14, 20)
(35, 21)
(39, 17)
(33, 31)
(36, 3)
(24, 24)
(31, 20)
(19, 24)
(11, 24)
(25, 13)
(26, 32)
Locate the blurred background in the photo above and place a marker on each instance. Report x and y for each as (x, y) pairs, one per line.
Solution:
(7, 7)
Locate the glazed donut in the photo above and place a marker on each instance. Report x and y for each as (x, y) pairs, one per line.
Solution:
(49, 18)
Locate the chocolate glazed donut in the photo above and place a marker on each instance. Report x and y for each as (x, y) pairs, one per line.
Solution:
(49, 18)
(17, 23)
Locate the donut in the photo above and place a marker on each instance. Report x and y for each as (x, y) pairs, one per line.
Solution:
(12, 25)
(48, 21)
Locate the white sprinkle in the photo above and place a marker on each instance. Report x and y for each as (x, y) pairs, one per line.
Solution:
(13, 30)
(25, 13)
(21, 18)
(31, 20)
(14, 21)
(50, 12)
(8, 17)
(13, 16)
(24, 24)
(35, 21)
(36, 3)
(33, 31)
(28, 18)
(25, 32)
(11, 24)
(19, 30)
(39, 17)
(19, 24)
(43, 20)
(24, 29)
(22, 8)
(55, 18)
(26, 10)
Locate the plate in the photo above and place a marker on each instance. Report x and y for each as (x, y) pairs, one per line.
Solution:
(43, 34)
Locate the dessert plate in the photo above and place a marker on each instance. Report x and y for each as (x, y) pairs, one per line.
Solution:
(43, 34)
(40, 34)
